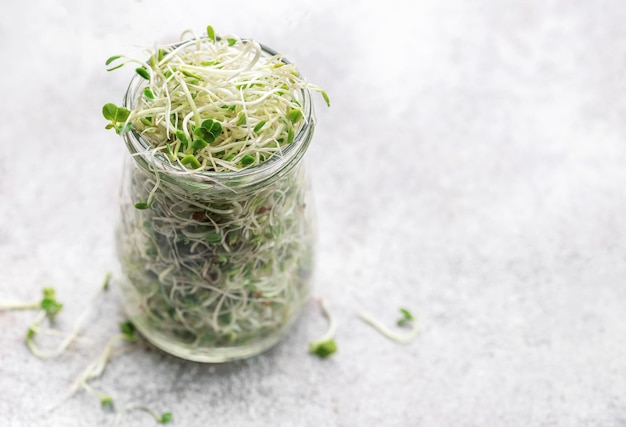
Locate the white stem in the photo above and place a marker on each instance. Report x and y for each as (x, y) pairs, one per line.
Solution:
(7, 306)
(135, 405)
(384, 330)
(332, 323)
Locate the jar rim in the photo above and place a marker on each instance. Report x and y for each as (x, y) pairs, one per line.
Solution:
(154, 161)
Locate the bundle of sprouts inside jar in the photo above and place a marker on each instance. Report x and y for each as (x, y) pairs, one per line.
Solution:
(216, 233)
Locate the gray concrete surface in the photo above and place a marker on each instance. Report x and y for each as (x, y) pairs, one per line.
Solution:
(471, 168)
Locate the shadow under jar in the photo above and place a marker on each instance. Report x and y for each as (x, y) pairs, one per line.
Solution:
(220, 264)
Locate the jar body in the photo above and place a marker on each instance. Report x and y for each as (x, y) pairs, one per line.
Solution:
(213, 272)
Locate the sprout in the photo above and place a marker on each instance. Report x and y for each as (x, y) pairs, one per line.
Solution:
(50, 307)
(406, 320)
(164, 418)
(96, 368)
(325, 345)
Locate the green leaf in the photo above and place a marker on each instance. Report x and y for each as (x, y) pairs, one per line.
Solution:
(326, 98)
(167, 417)
(210, 32)
(182, 137)
(290, 134)
(122, 114)
(295, 115)
(214, 127)
(49, 302)
(213, 237)
(112, 58)
(109, 111)
(30, 333)
(128, 330)
(204, 134)
(114, 113)
(232, 237)
(143, 73)
(231, 41)
(260, 125)
(199, 144)
(192, 75)
(107, 403)
(406, 318)
(209, 130)
(148, 93)
(191, 160)
(241, 120)
(141, 205)
(248, 160)
(115, 68)
(323, 349)
(209, 63)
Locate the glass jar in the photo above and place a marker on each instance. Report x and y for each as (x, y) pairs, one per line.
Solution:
(220, 264)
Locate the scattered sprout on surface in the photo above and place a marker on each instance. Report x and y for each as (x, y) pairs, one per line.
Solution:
(32, 305)
(50, 307)
(163, 418)
(406, 321)
(96, 368)
(49, 303)
(325, 345)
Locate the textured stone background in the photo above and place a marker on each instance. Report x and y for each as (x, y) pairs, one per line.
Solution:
(471, 168)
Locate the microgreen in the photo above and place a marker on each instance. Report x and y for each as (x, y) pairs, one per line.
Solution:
(49, 303)
(295, 115)
(325, 346)
(112, 58)
(190, 160)
(49, 308)
(106, 402)
(208, 130)
(163, 418)
(210, 33)
(116, 115)
(406, 320)
(259, 125)
(247, 160)
(143, 73)
(30, 333)
(167, 417)
(325, 96)
(128, 331)
(323, 349)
